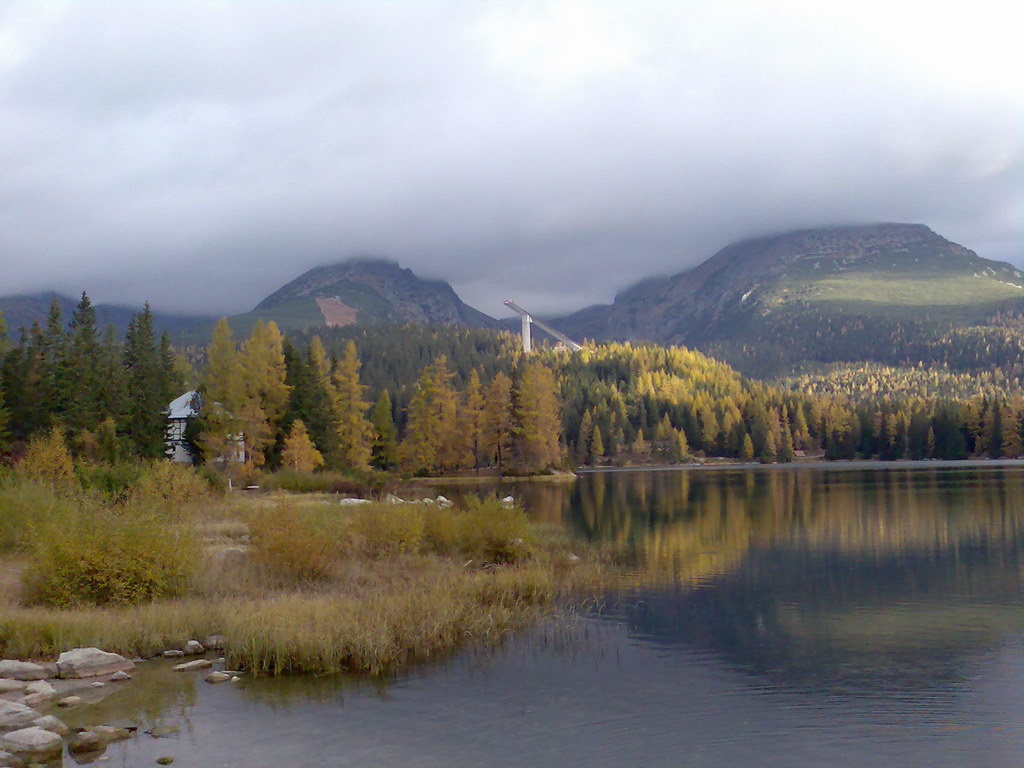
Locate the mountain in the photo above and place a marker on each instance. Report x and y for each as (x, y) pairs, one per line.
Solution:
(21, 310)
(367, 291)
(817, 295)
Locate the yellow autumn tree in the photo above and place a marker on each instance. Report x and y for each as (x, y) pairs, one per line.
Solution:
(299, 452)
(355, 432)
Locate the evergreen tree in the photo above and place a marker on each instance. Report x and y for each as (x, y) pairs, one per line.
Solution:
(355, 433)
(299, 452)
(538, 419)
(471, 419)
(431, 406)
(596, 445)
(264, 394)
(747, 448)
(497, 420)
(80, 377)
(385, 441)
(145, 396)
(583, 438)
(224, 397)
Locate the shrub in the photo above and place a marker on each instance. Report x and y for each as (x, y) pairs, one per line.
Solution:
(387, 529)
(114, 480)
(169, 485)
(47, 460)
(290, 544)
(490, 530)
(24, 505)
(108, 557)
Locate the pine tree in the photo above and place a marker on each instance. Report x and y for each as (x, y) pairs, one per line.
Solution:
(299, 452)
(929, 444)
(145, 416)
(538, 420)
(80, 378)
(596, 445)
(583, 437)
(223, 391)
(431, 407)
(747, 448)
(497, 420)
(471, 419)
(385, 441)
(355, 433)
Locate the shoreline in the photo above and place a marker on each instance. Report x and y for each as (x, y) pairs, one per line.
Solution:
(839, 464)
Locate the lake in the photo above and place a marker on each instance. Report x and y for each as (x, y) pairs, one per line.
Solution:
(791, 616)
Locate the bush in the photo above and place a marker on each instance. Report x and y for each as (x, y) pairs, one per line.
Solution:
(24, 505)
(169, 485)
(290, 544)
(490, 530)
(387, 529)
(47, 460)
(370, 484)
(114, 480)
(108, 557)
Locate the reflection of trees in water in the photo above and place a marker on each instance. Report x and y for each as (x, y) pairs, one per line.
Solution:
(838, 576)
(670, 521)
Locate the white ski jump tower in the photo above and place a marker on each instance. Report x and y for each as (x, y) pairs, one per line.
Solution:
(528, 319)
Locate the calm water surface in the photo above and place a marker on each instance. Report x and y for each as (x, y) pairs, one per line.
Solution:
(773, 617)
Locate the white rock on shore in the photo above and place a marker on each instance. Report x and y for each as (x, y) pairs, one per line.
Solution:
(189, 666)
(11, 686)
(51, 723)
(7, 760)
(14, 715)
(23, 670)
(91, 662)
(33, 741)
(193, 648)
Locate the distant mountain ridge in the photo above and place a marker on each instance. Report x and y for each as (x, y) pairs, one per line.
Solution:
(22, 310)
(748, 291)
(372, 291)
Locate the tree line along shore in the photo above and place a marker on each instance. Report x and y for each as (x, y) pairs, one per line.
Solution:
(435, 400)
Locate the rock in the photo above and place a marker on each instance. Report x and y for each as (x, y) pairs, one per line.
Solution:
(69, 701)
(91, 662)
(34, 699)
(7, 760)
(189, 666)
(85, 741)
(353, 501)
(573, 558)
(159, 731)
(508, 501)
(165, 760)
(120, 677)
(193, 648)
(51, 723)
(31, 741)
(41, 686)
(98, 684)
(236, 679)
(443, 501)
(23, 670)
(11, 686)
(392, 499)
(14, 715)
(217, 677)
(215, 642)
(174, 653)
(110, 733)
(51, 669)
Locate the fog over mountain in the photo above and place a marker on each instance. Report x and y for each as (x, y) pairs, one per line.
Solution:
(201, 154)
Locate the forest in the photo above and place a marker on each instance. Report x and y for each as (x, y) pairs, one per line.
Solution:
(428, 400)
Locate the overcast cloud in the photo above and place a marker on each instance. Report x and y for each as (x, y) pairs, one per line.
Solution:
(201, 154)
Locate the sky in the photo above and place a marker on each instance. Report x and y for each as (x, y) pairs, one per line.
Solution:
(200, 154)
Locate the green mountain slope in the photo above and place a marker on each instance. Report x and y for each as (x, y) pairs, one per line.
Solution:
(841, 293)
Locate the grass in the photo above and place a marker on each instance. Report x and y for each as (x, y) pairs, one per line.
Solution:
(302, 583)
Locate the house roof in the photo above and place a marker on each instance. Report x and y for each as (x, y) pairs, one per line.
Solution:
(182, 407)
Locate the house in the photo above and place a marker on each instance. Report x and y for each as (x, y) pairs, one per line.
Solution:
(181, 409)
(176, 445)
